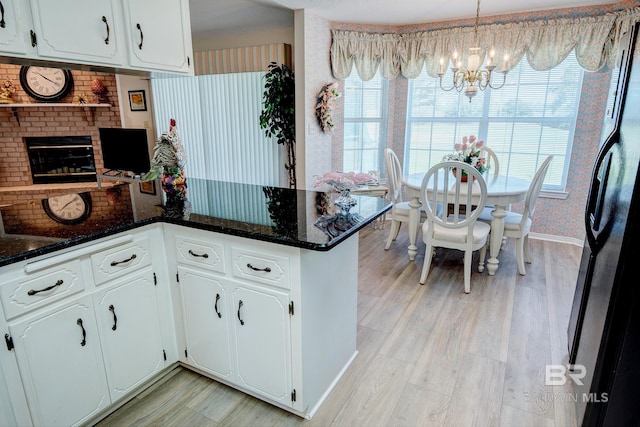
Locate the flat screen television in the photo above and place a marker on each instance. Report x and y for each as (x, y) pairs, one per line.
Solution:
(125, 149)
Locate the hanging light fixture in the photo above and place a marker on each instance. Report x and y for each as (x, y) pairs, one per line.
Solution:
(473, 78)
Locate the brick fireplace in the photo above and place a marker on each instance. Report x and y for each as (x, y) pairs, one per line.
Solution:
(49, 120)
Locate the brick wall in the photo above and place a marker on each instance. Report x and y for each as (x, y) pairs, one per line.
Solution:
(48, 120)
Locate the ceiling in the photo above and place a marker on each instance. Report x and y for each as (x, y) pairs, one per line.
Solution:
(215, 18)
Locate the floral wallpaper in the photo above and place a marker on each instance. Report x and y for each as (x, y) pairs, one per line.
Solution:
(557, 217)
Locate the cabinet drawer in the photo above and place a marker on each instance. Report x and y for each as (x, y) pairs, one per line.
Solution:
(209, 255)
(261, 267)
(120, 260)
(33, 291)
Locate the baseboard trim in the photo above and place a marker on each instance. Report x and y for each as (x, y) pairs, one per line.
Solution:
(558, 239)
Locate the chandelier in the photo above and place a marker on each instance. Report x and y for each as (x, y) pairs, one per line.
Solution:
(473, 78)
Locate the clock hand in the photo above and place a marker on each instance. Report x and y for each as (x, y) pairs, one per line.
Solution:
(67, 204)
(47, 78)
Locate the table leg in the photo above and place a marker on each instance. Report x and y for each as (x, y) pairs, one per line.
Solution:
(497, 231)
(414, 222)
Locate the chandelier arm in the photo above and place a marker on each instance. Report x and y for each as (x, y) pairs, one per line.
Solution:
(442, 87)
(504, 79)
(484, 79)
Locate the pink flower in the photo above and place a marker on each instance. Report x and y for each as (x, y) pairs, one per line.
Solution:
(464, 139)
(458, 146)
(471, 138)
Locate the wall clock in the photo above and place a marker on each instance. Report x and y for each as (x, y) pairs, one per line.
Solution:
(69, 209)
(46, 84)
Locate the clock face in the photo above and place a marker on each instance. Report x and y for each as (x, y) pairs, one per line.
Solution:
(69, 209)
(46, 84)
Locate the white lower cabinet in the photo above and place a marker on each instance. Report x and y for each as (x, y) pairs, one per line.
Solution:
(240, 333)
(206, 317)
(129, 328)
(60, 361)
(262, 342)
(85, 342)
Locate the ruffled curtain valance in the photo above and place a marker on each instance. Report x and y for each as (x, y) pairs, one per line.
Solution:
(545, 43)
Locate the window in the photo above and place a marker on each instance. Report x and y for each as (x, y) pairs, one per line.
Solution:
(532, 116)
(365, 119)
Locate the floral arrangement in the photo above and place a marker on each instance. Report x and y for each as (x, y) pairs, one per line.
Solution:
(469, 152)
(168, 161)
(326, 100)
(345, 180)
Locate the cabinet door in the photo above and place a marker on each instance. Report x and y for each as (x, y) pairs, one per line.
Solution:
(78, 30)
(130, 332)
(263, 348)
(11, 36)
(60, 362)
(206, 322)
(159, 34)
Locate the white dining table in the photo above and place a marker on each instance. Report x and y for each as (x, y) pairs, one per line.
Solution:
(502, 191)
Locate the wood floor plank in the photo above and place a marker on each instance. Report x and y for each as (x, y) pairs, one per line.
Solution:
(493, 297)
(216, 401)
(419, 406)
(529, 344)
(445, 347)
(477, 397)
(515, 417)
(390, 307)
(373, 402)
(561, 285)
(369, 343)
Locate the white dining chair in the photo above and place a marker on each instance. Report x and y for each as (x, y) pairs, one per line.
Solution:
(399, 209)
(517, 225)
(491, 160)
(456, 225)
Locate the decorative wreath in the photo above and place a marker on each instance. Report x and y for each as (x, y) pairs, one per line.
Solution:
(326, 101)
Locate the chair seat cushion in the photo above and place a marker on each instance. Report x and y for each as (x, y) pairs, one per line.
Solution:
(511, 221)
(458, 235)
(403, 209)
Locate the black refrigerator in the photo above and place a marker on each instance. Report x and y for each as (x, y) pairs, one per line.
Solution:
(604, 326)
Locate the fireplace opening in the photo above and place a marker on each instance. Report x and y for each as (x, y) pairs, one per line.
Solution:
(60, 159)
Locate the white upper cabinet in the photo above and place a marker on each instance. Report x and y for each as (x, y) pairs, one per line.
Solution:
(159, 35)
(78, 30)
(11, 36)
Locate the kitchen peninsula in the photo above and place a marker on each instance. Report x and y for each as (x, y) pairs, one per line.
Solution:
(253, 286)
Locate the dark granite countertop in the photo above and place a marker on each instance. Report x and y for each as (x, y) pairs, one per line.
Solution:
(300, 218)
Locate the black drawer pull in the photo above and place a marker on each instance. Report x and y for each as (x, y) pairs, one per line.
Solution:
(266, 269)
(131, 258)
(204, 255)
(2, 24)
(216, 306)
(115, 318)
(240, 304)
(84, 333)
(33, 291)
(104, 19)
(141, 36)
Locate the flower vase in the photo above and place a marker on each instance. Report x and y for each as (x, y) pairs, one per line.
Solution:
(464, 177)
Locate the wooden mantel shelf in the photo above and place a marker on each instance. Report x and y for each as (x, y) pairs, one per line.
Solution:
(89, 109)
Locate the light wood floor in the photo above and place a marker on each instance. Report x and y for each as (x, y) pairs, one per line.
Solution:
(428, 355)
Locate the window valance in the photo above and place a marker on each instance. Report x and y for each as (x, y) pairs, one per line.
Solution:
(545, 43)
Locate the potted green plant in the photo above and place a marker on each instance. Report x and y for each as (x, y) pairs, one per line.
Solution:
(278, 114)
